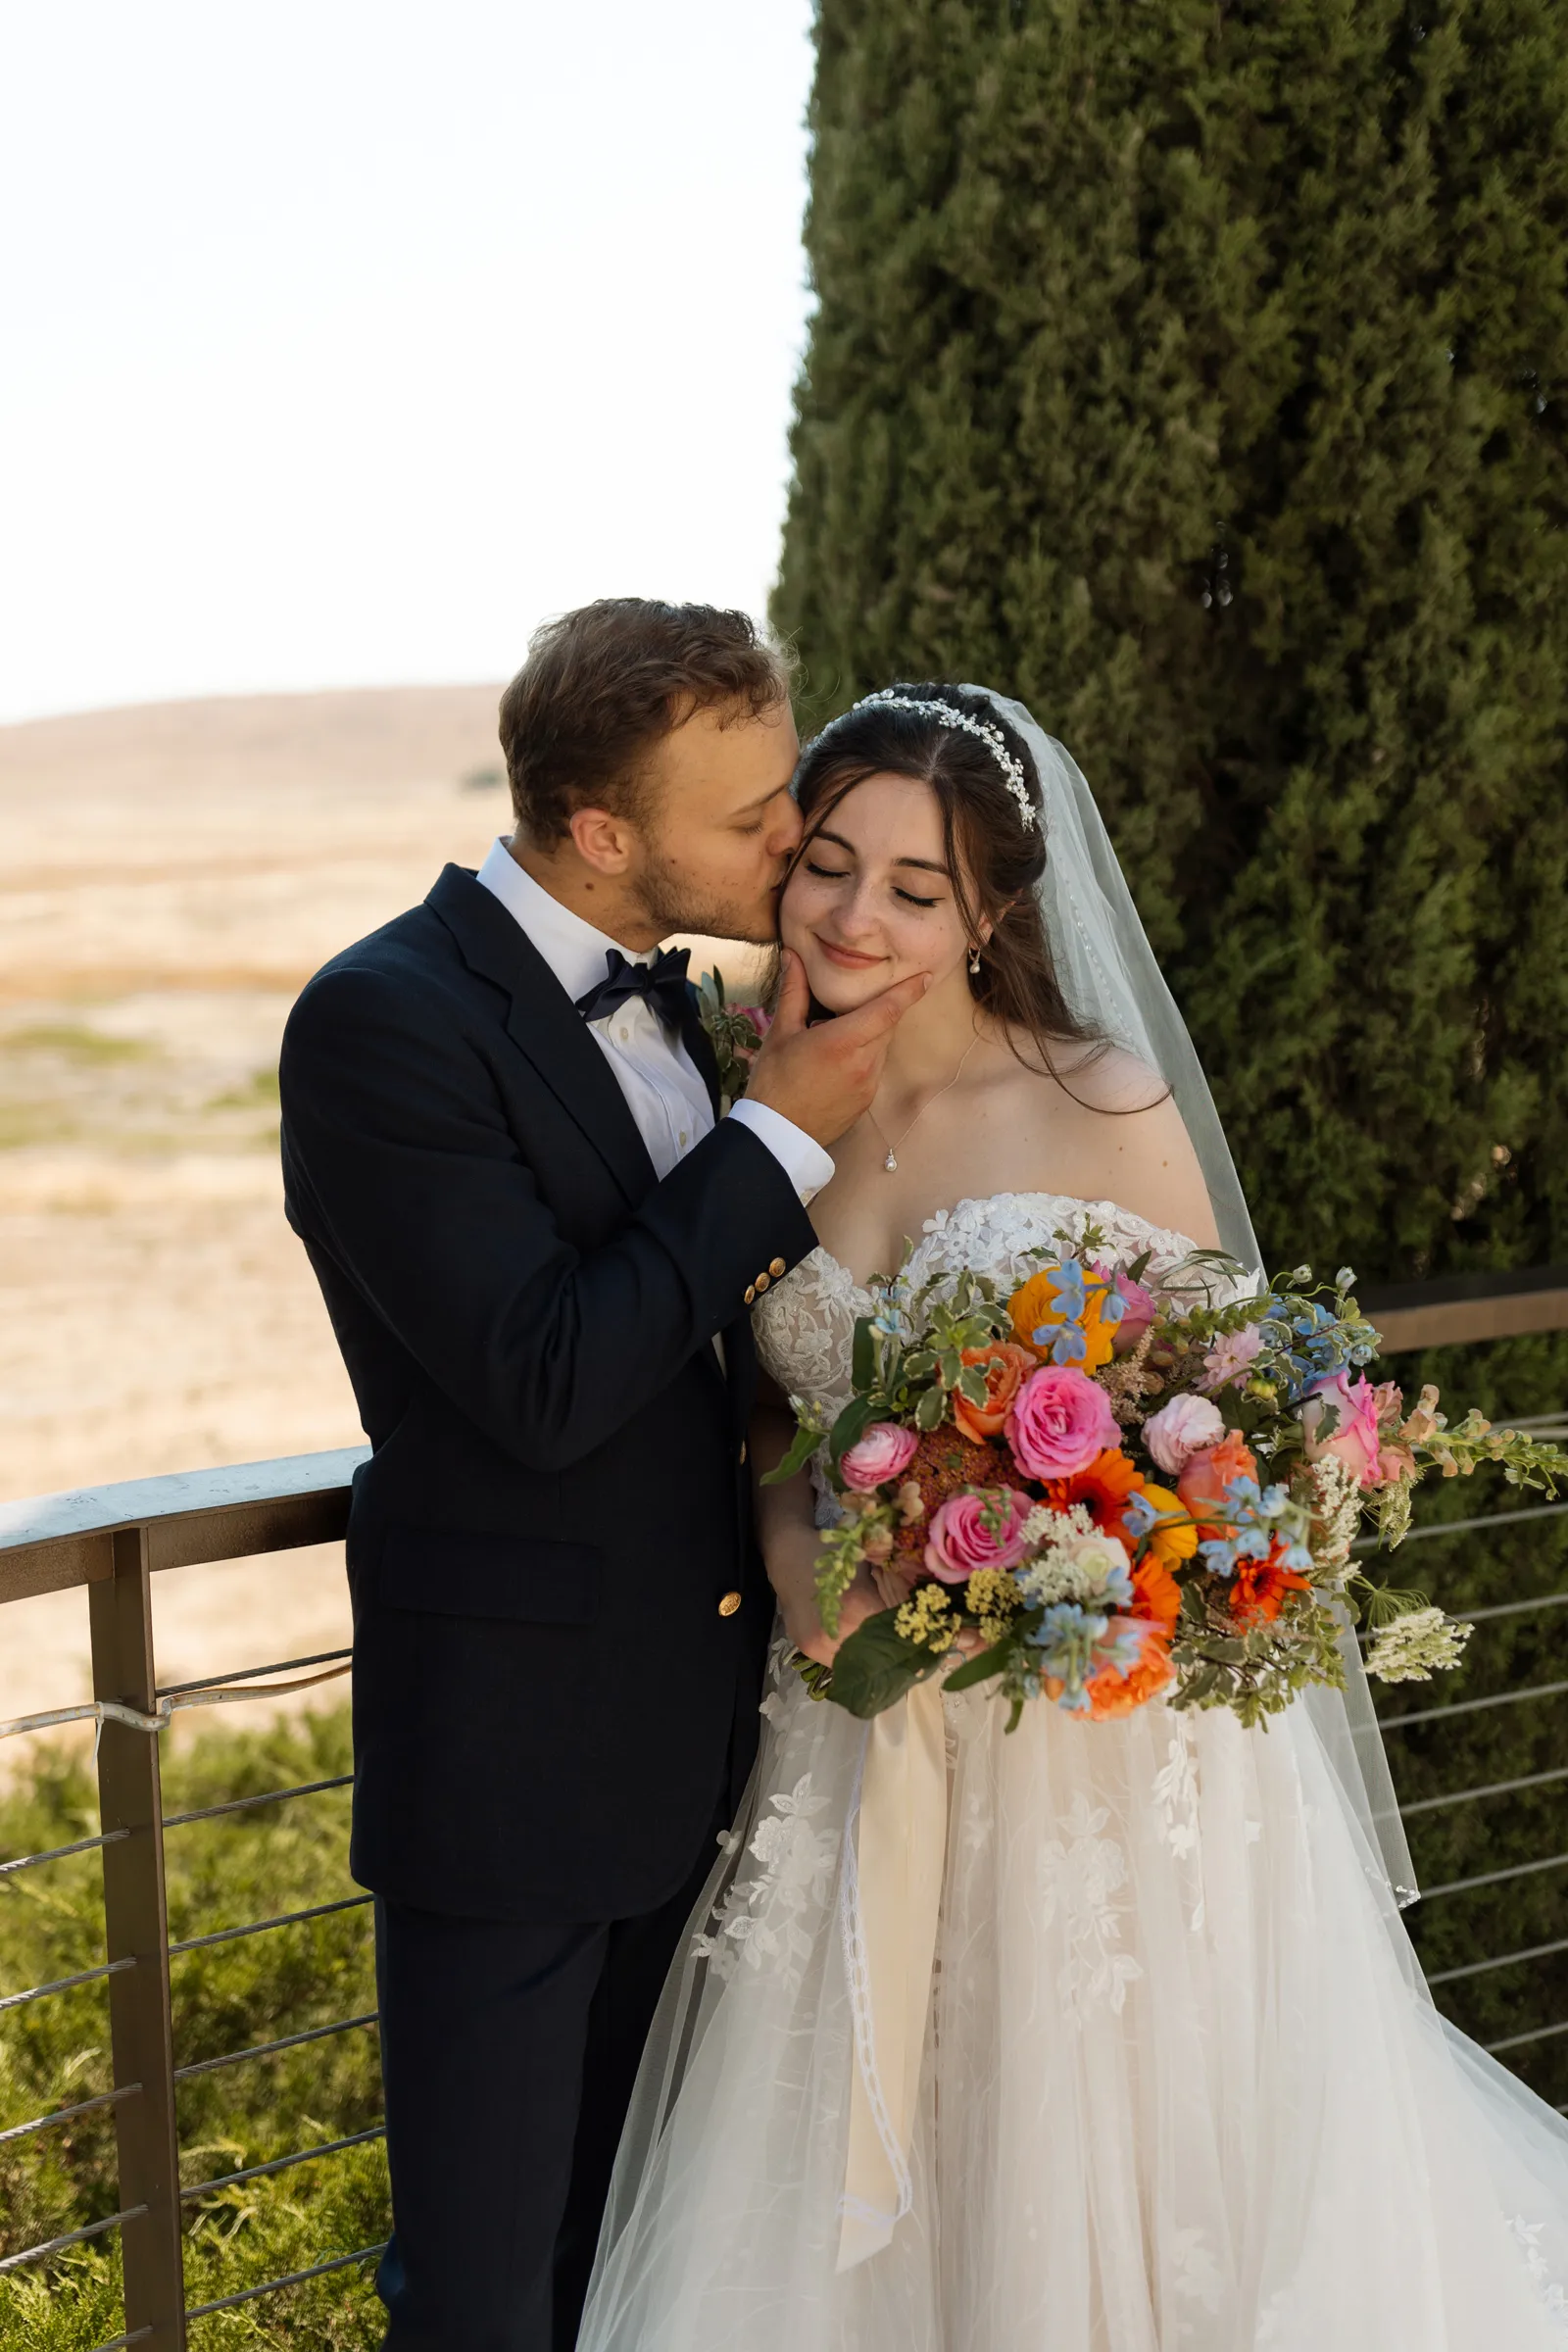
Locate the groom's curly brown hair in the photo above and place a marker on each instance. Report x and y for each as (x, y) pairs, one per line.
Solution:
(604, 685)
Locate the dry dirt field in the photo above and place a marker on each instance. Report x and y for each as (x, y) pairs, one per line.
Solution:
(169, 876)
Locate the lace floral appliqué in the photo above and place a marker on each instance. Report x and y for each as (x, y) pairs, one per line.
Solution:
(1553, 2293)
(760, 1919)
(1077, 1883)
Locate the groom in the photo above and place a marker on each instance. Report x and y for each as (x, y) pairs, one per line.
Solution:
(538, 1244)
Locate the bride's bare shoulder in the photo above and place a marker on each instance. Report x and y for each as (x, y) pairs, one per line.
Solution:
(1114, 1132)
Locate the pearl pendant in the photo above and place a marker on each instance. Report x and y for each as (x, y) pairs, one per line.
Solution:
(890, 1163)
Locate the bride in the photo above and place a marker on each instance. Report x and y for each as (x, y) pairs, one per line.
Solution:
(1170, 2076)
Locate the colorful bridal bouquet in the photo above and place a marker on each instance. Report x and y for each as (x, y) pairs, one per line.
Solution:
(734, 1031)
(1100, 1489)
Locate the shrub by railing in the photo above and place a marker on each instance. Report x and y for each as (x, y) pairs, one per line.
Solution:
(114, 1540)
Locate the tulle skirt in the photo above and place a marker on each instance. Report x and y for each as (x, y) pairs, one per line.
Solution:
(1182, 2083)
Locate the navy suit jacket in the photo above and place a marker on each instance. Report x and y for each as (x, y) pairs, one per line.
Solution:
(549, 1697)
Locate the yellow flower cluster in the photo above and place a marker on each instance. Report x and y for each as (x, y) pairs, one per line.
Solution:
(996, 1599)
(927, 1618)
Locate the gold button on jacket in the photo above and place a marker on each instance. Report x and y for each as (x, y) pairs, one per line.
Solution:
(749, 1292)
(776, 1268)
(763, 1281)
(729, 1604)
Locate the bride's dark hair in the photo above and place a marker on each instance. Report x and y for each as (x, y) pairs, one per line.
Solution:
(995, 859)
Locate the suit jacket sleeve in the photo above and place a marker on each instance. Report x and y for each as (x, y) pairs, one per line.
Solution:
(399, 1162)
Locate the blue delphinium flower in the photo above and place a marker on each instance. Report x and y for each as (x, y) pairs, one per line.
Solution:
(1139, 1515)
(1065, 1638)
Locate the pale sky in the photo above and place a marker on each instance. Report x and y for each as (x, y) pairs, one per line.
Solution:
(341, 342)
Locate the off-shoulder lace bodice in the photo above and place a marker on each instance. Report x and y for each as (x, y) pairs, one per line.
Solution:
(805, 1327)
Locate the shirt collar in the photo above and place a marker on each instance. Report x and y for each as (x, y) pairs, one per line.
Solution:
(573, 950)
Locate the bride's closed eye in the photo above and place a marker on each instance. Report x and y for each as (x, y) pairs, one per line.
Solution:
(836, 873)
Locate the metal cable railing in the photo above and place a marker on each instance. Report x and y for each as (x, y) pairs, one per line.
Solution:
(270, 2049)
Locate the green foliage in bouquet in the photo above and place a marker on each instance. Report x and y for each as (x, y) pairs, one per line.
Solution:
(1200, 375)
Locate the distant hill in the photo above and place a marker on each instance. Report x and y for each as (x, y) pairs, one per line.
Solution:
(232, 843)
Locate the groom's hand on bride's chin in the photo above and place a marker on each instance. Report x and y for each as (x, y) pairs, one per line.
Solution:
(822, 1079)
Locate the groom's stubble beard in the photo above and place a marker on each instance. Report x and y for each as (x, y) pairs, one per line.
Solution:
(673, 900)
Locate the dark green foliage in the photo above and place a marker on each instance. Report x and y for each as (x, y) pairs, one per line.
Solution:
(249, 1866)
(1500, 1564)
(1201, 375)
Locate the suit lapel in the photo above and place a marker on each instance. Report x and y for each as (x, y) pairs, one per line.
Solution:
(544, 1024)
(698, 1044)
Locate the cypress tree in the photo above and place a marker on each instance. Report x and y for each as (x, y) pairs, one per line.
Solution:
(1200, 374)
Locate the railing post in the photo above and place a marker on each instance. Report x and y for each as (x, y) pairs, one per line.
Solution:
(136, 1926)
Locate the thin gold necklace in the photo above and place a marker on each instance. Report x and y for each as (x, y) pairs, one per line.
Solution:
(892, 1160)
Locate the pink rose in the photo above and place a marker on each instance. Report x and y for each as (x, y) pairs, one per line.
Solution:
(760, 1021)
(1138, 1308)
(884, 1453)
(1231, 1358)
(976, 1531)
(1060, 1419)
(1355, 1439)
(1188, 1425)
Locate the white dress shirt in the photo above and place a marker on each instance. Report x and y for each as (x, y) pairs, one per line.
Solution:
(663, 1088)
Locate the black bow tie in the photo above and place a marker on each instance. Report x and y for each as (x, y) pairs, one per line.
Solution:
(663, 983)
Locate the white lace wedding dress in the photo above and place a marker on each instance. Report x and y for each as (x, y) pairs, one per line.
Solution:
(1182, 2083)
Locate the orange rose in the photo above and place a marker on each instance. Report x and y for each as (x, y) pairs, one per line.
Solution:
(1201, 1484)
(1170, 1544)
(1034, 1306)
(1112, 1695)
(1006, 1366)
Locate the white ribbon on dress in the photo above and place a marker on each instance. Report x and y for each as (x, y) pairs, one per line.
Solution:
(894, 1850)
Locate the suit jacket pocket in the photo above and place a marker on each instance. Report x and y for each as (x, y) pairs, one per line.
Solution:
(532, 1580)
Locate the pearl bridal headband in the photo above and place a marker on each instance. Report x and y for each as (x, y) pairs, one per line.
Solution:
(951, 715)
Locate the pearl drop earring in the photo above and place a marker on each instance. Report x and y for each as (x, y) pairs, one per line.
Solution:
(974, 964)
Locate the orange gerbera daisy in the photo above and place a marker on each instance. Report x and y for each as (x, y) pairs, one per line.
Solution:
(1103, 1488)
(1158, 1591)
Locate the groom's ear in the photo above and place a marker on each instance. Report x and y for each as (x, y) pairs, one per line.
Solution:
(605, 842)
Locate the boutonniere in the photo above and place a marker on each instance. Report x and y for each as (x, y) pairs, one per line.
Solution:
(734, 1031)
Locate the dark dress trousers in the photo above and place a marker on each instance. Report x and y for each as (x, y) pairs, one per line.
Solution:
(560, 1616)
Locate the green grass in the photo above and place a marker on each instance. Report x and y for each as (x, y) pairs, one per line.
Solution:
(72, 1041)
(52, 2052)
(260, 1091)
